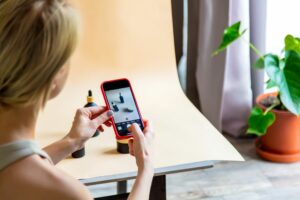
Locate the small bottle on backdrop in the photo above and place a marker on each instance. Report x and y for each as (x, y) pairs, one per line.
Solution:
(90, 103)
(121, 98)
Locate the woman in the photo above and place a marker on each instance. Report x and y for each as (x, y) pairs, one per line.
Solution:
(37, 39)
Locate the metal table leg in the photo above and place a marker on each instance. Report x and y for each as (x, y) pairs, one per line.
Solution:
(158, 188)
(157, 192)
(121, 187)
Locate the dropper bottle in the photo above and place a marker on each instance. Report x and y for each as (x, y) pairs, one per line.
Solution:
(90, 103)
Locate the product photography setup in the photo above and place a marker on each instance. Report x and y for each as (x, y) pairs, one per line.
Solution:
(123, 50)
(143, 99)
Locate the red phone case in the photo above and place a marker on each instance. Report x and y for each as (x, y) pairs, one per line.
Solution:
(119, 137)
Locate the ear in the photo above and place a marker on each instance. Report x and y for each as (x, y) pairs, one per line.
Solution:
(59, 81)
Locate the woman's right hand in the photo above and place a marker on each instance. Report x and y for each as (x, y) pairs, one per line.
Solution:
(141, 146)
(86, 121)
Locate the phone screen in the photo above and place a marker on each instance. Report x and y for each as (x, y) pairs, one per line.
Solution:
(121, 100)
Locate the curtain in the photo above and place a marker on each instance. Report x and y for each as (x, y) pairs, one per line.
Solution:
(177, 14)
(224, 87)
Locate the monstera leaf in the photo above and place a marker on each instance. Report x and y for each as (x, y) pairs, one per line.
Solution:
(270, 84)
(292, 43)
(230, 34)
(259, 121)
(285, 74)
(259, 64)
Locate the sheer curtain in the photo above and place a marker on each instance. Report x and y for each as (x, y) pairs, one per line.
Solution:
(224, 87)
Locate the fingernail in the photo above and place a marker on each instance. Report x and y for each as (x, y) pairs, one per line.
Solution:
(110, 113)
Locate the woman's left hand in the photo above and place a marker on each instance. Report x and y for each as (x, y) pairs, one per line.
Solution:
(86, 122)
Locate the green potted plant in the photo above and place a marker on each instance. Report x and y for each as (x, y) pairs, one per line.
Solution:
(275, 118)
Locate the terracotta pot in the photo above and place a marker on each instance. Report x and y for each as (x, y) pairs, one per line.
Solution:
(281, 143)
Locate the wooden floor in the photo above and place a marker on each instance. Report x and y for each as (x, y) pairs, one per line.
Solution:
(254, 179)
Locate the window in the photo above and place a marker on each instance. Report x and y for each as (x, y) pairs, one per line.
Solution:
(283, 17)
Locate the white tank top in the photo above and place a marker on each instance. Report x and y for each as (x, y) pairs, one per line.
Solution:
(14, 151)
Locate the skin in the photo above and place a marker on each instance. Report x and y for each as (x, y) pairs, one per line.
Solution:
(141, 146)
(36, 178)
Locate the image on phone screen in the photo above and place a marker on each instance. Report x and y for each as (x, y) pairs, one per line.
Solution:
(122, 102)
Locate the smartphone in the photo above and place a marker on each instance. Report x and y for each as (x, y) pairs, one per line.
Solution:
(119, 97)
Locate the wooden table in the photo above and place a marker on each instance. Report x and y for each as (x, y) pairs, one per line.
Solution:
(132, 39)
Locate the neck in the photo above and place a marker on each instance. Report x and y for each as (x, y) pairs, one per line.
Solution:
(17, 123)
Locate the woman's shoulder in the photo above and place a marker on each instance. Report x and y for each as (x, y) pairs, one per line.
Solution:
(35, 178)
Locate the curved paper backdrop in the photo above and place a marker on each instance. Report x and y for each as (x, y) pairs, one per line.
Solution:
(132, 39)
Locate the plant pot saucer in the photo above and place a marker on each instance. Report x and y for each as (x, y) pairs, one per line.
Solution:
(275, 157)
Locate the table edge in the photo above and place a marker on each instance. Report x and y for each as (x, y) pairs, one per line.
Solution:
(157, 172)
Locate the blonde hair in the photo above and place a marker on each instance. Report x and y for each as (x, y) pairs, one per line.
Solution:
(37, 37)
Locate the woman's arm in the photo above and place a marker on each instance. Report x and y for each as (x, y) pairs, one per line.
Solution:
(142, 148)
(86, 122)
(61, 149)
(142, 185)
